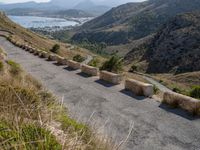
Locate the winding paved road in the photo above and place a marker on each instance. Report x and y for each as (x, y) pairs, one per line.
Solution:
(154, 82)
(156, 127)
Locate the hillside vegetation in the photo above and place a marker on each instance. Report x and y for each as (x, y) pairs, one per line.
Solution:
(132, 21)
(174, 48)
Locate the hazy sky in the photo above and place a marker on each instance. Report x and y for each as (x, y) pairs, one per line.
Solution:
(17, 1)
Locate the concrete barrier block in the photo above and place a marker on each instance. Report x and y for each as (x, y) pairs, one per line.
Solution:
(111, 77)
(25, 47)
(139, 88)
(44, 54)
(37, 52)
(21, 46)
(31, 50)
(73, 64)
(93, 71)
(61, 60)
(52, 57)
(40, 53)
(185, 102)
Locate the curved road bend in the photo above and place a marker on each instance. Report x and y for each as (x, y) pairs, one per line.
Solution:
(155, 127)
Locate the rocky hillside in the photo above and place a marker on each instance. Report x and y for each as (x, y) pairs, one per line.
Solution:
(175, 48)
(132, 21)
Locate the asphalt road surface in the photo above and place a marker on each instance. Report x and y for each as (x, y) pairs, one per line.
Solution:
(155, 126)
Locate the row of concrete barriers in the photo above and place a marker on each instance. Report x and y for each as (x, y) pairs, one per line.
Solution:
(139, 88)
(136, 87)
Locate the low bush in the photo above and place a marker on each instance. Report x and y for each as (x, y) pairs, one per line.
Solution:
(133, 68)
(114, 64)
(55, 48)
(78, 58)
(155, 89)
(1, 66)
(195, 92)
(15, 68)
(177, 90)
(94, 62)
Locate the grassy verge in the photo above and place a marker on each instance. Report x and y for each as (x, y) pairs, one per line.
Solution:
(32, 118)
(186, 83)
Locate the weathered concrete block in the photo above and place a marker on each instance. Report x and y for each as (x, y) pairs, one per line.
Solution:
(37, 52)
(25, 47)
(185, 102)
(2, 56)
(31, 50)
(111, 77)
(139, 88)
(93, 71)
(40, 53)
(21, 46)
(61, 60)
(52, 57)
(73, 64)
(17, 44)
(44, 54)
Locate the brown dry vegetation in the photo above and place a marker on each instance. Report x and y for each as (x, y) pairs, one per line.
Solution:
(183, 81)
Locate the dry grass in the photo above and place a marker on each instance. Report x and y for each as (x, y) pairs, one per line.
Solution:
(183, 81)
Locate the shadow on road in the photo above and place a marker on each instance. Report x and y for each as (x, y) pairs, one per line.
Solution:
(70, 69)
(104, 83)
(132, 95)
(83, 75)
(179, 112)
(57, 64)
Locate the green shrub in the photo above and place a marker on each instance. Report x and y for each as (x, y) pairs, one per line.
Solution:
(177, 90)
(94, 62)
(27, 137)
(155, 89)
(1, 66)
(133, 68)
(78, 58)
(114, 64)
(15, 68)
(195, 92)
(55, 48)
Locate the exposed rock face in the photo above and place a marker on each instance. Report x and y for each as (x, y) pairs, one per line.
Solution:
(176, 47)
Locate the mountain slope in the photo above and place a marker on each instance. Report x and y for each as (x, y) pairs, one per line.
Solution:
(175, 48)
(53, 6)
(133, 21)
(91, 7)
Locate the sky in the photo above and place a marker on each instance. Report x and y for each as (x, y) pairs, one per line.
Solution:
(19, 1)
